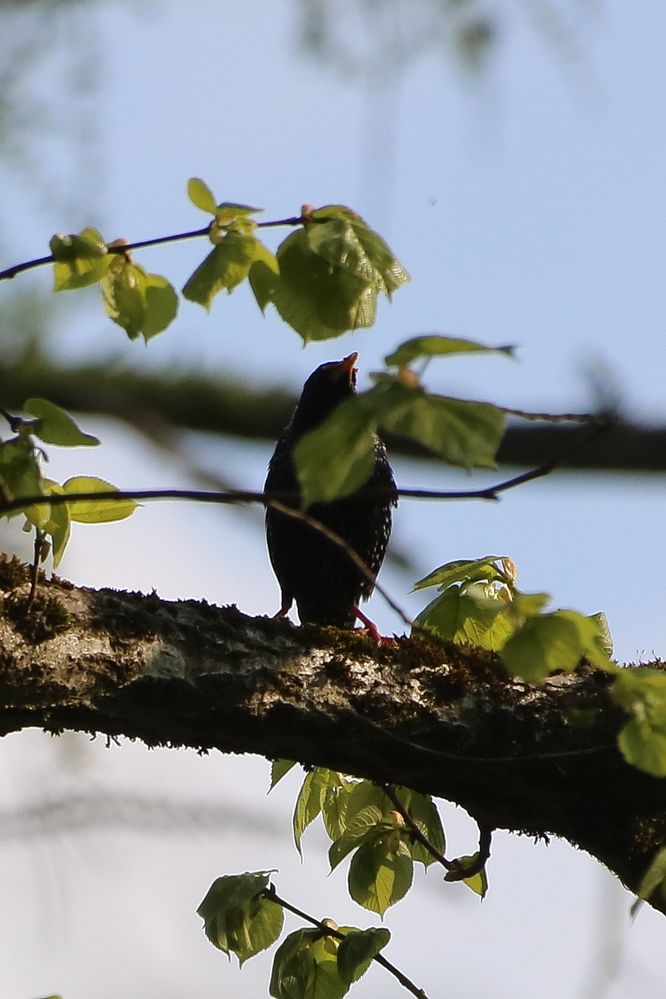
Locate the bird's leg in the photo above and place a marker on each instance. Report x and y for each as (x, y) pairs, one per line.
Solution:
(285, 607)
(369, 625)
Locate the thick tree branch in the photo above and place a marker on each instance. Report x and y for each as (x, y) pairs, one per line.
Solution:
(537, 760)
(197, 401)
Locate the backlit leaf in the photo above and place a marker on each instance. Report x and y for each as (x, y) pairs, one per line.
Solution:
(161, 305)
(478, 883)
(238, 919)
(464, 433)
(94, 511)
(357, 950)
(550, 642)
(56, 426)
(305, 966)
(464, 570)
(381, 873)
(642, 741)
(20, 475)
(80, 259)
(317, 298)
(201, 195)
(311, 798)
(225, 267)
(337, 457)
(264, 275)
(467, 618)
(436, 345)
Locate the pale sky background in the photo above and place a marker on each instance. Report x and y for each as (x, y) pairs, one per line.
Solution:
(529, 209)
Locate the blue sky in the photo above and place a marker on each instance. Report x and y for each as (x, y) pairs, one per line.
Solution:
(529, 209)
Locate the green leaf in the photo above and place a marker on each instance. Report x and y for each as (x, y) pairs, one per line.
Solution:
(124, 295)
(423, 812)
(161, 306)
(311, 797)
(80, 260)
(316, 298)
(20, 475)
(550, 642)
(201, 195)
(141, 303)
(376, 258)
(238, 919)
(56, 426)
(464, 433)
(264, 275)
(478, 883)
(58, 526)
(357, 950)
(279, 768)
(335, 809)
(96, 511)
(654, 877)
(468, 618)
(225, 267)
(366, 824)
(464, 570)
(641, 692)
(604, 636)
(336, 458)
(381, 872)
(435, 345)
(229, 215)
(341, 810)
(305, 966)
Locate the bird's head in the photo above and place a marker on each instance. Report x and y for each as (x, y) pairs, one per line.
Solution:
(326, 387)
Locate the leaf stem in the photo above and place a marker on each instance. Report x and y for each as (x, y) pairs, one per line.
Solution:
(406, 983)
(390, 792)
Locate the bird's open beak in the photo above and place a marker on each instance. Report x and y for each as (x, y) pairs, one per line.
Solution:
(347, 365)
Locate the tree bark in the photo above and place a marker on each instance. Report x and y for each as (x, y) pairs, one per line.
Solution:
(441, 719)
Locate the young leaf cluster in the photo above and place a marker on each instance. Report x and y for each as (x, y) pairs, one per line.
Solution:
(21, 474)
(324, 279)
(478, 603)
(243, 916)
(143, 304)
(361, 820)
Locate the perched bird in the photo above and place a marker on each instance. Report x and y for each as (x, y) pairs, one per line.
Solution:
(311, 569)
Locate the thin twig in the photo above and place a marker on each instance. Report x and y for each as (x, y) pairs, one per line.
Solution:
(406, 983)
(26, 265)
(34, 568)
(461, 872)
(249, 496)
(390, 792)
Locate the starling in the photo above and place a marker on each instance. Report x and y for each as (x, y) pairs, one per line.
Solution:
(311, 569)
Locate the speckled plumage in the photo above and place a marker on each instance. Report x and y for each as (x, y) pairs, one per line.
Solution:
(311, 570)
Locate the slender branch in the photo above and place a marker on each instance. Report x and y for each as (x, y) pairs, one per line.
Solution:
(406, 983)
(34, 568)
(26, 265)
(461, 872)
(250, 496)
(293, 220)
